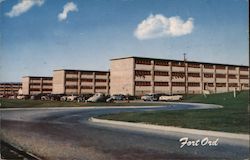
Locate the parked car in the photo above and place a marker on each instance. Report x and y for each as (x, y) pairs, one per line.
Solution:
(72, 98)
(116, 97)
(171, 98)
(151, 97)
(98, 97)
(63, 98)
(45, 98)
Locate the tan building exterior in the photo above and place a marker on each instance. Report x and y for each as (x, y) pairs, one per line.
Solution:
(10, 88)
(80, 82)
(139, 76)
(32, 85)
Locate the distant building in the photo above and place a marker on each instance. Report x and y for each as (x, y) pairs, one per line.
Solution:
(32, 85)
(10, 88)
(139, 75)
(80, 82)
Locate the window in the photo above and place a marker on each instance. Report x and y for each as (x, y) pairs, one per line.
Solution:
(231, 68)
(71, 72)
(178, 83)
(101, 73)
(193, 74)
(243, 76)
(208, 66)
(233, 85)
(160, 73)
(193, 65)
(101, 80)
(178, 74)
(245, 84)
(141, 73)
(161, 83)
(232, 76)
(142, 83)
(220, 84)
(86, 87)
(71, 87)
(143, 61)
(34, 89)
(193, 84)
(71, 79)
(86, 80)
(208, 75)
(210, 84)
(86, 73)
(100, 87)
(35, 84)
(47, 78)
(220, 76)
(220, 67)
(178, 64)
(161, 63)
(47, 84)
(47, 89)
(243, 68)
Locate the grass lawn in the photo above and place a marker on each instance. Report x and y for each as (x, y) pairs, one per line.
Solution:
(13, 103)
(234, 117)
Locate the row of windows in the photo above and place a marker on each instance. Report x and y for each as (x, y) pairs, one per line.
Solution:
(143, 61)
(193, 74)
(142, 73)
(193, 65)
(161, 63)
(85, 80)
(244, 77)
(85, 87)
(161, 83)
(220, 75)
(47, 89)
(160, 73)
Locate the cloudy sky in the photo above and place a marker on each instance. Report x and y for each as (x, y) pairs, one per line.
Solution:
(38, 36)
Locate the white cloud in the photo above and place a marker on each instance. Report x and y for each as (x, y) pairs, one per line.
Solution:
(23, 6)
(68, 7)
(156, 26)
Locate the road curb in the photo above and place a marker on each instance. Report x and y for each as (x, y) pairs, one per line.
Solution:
(174, 129)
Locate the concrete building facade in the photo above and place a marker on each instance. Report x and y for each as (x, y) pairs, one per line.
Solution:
(32, 85)
(80, 82)
(10, 88)
(139, 76)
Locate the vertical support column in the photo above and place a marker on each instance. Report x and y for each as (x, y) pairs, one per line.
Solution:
(108, 82)
(239, 85)
(94, 84)
(214, 78)
(227, 81)
(170, 79)
(133, 77)
(79, 83)
(41, 85)
(28, 85)
(152, 76)
(64, 82)
(186, 77)
(201, 79)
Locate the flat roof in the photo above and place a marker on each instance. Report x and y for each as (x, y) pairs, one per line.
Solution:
(76, 70)
(174, 60)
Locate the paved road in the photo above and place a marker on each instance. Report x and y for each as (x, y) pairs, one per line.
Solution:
(63, 133)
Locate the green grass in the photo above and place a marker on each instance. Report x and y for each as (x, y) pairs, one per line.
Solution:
(13, 103)
(234, 117)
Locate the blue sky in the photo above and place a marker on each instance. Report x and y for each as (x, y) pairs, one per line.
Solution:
(35, 41)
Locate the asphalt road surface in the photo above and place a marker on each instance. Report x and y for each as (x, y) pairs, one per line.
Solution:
(66, 133)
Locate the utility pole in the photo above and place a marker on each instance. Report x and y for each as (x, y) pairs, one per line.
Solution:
(185, 72)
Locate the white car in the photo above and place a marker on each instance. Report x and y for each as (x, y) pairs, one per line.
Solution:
(98, 97)
(171, 98)
(71, 98)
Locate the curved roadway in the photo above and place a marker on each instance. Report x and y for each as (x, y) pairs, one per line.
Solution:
(66, 133)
